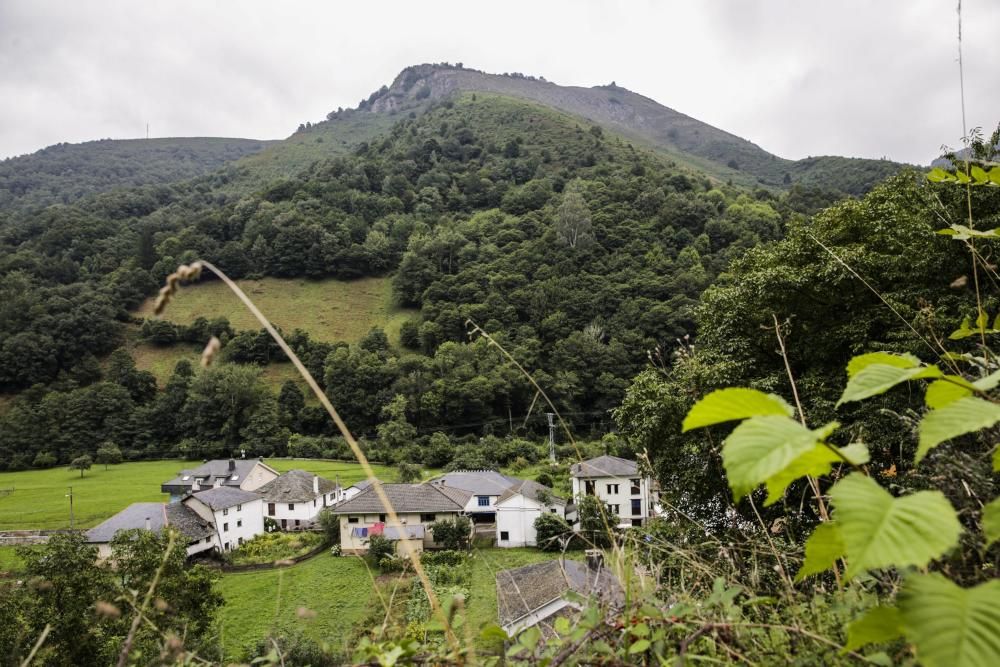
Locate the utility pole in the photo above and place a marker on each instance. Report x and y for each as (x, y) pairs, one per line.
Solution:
(147, 130)
(552, 436)
(70, 496)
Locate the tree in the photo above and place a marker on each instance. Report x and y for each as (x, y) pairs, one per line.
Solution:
(551, 531)
(407, 472)
(396, 433)
(330, 523)
(597, 522)
(573, 221)
(108, 454)
(379, 547)
(44, 460)
(452, 534)
(81, 463)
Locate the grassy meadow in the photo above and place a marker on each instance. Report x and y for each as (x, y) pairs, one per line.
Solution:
(328, 310)
(39, 497)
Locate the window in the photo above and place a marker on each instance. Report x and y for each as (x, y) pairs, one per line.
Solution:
(314, 502)
(381, 518)
(225, 512)
(612, 489)
(554, 510)
(588, 487)
(296, 523)
(352, 519)
(291, 506)
(270, 509)
(239, 507)
(637, 522)
(614, 509)
(483, 501)
(239, 523)
(504, 536)
(225, 527)
(636, 506)
(239, 540)
(427, 518)
(635, 490)
(227, 546)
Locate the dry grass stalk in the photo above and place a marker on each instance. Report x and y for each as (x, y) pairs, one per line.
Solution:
(193, 271)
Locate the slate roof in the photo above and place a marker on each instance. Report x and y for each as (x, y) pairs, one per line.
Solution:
(160, 515)
(225, 496)
(477, 482)
(209, 472)
(295, 486)
(531, 489)
(525, 589)
(605, 466)
(403, 498)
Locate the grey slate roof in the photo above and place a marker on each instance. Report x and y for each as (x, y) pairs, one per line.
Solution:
(160, 515)
(294, 486)
(477, 482)
(209, 472)
(403, 498)
(525, 589)
(225, 496)
(605, 466)
(531, 489)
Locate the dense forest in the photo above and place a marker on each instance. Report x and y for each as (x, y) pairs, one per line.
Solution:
(578, 250)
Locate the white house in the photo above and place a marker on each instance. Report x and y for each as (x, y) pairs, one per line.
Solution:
(518, 507)
(486, 487)
(416, 505)
(618, 484)
(237, 515)
(296, 497)
(246, 474)
(354, 489)
(198, 534)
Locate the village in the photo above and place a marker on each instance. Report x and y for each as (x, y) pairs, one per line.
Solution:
(222, 505)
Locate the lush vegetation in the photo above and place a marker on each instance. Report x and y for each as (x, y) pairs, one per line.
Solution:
(271, 547)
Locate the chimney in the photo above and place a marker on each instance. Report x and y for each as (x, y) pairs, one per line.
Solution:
(595, 559)
(232, 466)
(315, 485)
(149, 525)
(195, 485)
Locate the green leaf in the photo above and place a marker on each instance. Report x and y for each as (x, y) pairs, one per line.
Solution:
(950, 388)
(991, 381)
(939, 175)
(878, 625)
(881, 531)
(734, 403)
(962, 177)
(978, 174)
(995, 175)
(816, 462)
(823, 548)
(951, 626)
(863, 361)
(493, 632)
(959, 417)
(964, 233)
(991, 521)
(639, 646)
(764, 446)
(879, 378)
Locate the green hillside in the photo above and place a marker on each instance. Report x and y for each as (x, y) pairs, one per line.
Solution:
(63, 173)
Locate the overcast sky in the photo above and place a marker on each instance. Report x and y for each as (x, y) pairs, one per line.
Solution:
(859, 78)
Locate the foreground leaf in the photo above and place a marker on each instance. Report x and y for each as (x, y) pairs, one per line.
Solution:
(950, 388)
(881, 531)
(965, 415)
(863, 361)
(734, 403)
(880, 378)
(764, 446)
(991, 521)
(816, 462)
(823, 548)
(878, 625)
(949, 625)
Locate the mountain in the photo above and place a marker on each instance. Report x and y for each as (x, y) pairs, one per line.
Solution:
(63, 173)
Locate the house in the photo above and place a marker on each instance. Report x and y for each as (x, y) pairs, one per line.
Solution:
(246, 474)
(618, 484)
(486, 487)
(296, 497)
(536, 595)
(416, 505)
(198, 534)
(355, 489)
(236, 515)
(516, 511)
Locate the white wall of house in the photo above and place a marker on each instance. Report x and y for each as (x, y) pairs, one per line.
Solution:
(351, 544)
(619, 493)
(516, 520)
(204, 544)
(295, 516)
(233, 525)
(476, 504)
(258, 477)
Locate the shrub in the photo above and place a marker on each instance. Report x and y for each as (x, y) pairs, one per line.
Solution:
(452, 534)
(380, 547)
(551, 530)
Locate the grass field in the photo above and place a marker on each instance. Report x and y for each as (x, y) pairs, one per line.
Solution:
(338, 590)
(9, 561)
(329, 310)
(39, 498)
